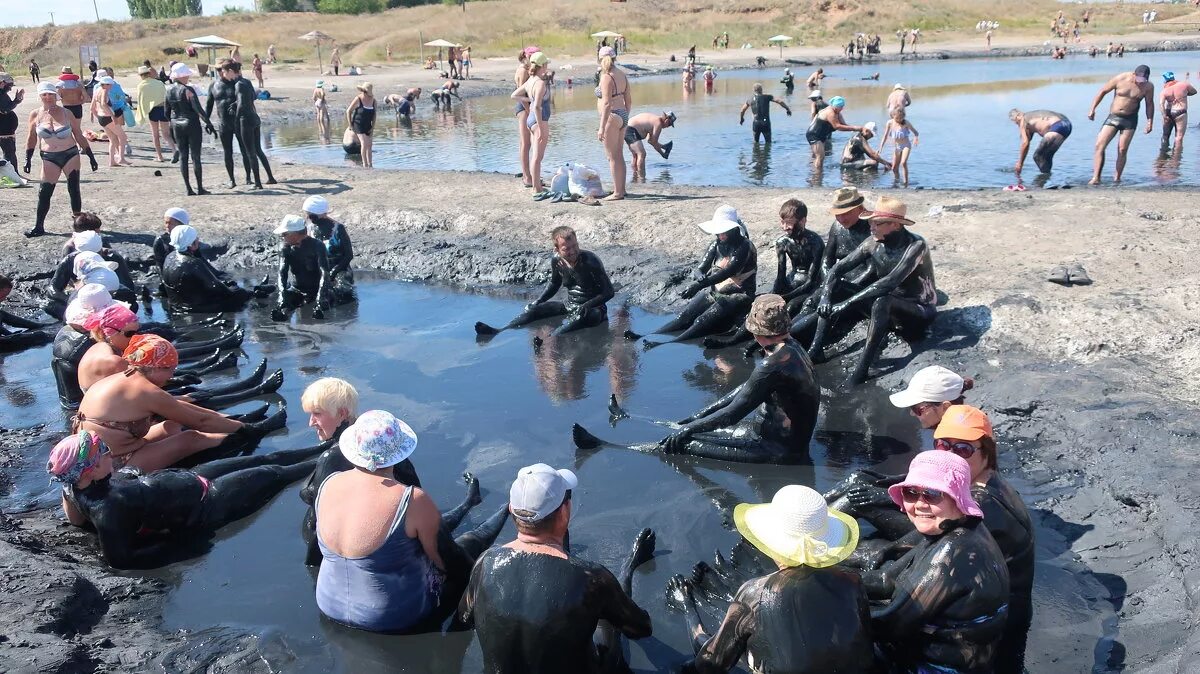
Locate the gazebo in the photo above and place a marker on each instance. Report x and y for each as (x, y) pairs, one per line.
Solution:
(211, 43)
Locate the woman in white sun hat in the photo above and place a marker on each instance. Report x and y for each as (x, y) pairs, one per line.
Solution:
(810, 615)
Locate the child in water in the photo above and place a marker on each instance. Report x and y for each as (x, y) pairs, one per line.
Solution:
(904, 137)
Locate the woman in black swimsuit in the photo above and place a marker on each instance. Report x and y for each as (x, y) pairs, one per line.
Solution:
(50, 129)
(360, 116)
(186, 116)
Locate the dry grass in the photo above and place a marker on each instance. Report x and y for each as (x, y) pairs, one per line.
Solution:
(502, 27)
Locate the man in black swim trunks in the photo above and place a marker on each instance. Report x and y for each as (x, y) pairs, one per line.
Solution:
(588, 288)
(1129, 90)
(534, 607)
(760, 106)
(647, 126)
(307, 261)
(1053, 127)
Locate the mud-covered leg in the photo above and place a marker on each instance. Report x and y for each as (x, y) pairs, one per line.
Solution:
(699, 304)
(537, 313)
(591, 319)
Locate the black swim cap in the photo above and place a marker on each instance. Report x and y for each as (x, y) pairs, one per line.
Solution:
(1142, 71)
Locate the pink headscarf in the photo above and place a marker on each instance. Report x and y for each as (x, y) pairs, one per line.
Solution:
(111, 319)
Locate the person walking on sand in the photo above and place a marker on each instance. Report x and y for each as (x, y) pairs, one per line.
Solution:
(35, 71)
(335, 61)
(1174, 104)
(152, 109)
(1129, 91)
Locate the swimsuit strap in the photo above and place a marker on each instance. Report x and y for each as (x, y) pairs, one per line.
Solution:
(397, 519)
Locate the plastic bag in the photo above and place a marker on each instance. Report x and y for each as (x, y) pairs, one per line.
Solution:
(584, 181)
(561, 182)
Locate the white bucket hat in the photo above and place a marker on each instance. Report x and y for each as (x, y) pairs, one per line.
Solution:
(89, 299)
(184, 236)
(538, 491)
(724, 219)
(377, 439)
(797, 528)
(88, 261)
(87, 241)
(179, 215)
(290, 223)
(933, 384)
(181, 70)
(316, 204)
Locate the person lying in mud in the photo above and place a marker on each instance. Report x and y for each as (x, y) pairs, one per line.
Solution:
(389, 578)
(588, 289)
(784, 385)
(141, 520)
(124, 410)
(193, 285)
(723, 285)
(307, 261)
(536, 608)
(336, 239)
(947, 598)
(897, 292)
(17, 333)
(1053, 127)
(808, 617)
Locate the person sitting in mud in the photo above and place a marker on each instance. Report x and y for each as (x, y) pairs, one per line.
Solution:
(387, 567)
(307, 261)
(723, 285)
(85, 222)
(73, 341)
(946, 599)
(338, 247)
(110, 328)
(192, 284)
(534, 607)
(1129, 90)
(1053, 127)
(124, 409)
(588, 289)
(896, 292)
(858, 155)
(26, 334)
(90, 267)
(648, 126)
(143, 521)
(69, 271)
(810, 616)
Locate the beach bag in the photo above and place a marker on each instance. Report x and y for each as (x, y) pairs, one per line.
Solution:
(584, 181)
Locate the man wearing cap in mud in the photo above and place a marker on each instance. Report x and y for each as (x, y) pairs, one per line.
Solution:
(808, 617)
(307, 261)
(192, 284)
(535, 607)
(1129, 91)
(647, 126)
(896, 292)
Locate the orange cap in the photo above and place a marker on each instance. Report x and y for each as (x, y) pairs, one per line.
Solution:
(963, 422)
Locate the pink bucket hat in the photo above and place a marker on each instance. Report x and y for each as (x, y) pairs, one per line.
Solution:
(943, 471)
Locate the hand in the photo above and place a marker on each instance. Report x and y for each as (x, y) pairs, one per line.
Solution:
(863, 496)
(697, 274)
(679, 588)
(529, 307)
(211, 131)
(29, 166)
(789, 112)
(1018, 168)
(318, 313)
(277, 314)
(837, 309)
(690, 291)
(676, 442)
(1149, 125)
(1092, 114)
(825, 308)
(741, 121)
(600, 135)
(92, 161)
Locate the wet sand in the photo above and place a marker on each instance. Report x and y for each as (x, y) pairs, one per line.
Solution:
(1092, 388)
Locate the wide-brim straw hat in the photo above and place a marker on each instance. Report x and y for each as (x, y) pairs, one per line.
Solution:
(889, 210)
(797, 528)
(846, 199)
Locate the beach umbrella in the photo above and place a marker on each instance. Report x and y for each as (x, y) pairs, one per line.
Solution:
(780, 39)
(317, 36)
(606, 33)
(440, 43)
(211, 43)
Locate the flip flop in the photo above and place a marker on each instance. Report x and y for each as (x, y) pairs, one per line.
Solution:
(1059, 275)
(543, 195)
(667, 149)
(557, 198)
(1078, 275)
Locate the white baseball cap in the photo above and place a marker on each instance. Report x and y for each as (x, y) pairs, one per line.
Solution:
(316, 204)
(538, 491)
(184, 236)
(88, 241)
(290, 223)
(178, 214)
(724, 219)
(934, 384)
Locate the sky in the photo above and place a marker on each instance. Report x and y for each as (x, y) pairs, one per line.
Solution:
(29, 13)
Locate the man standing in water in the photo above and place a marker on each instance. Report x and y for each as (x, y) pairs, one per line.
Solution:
(647, 126)
(1174, 103)
(760, 106)
(1129, 91)
(1053, 127)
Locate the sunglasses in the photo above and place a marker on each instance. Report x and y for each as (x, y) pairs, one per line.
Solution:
(913, 494)
(129, 333)
(964, 449)
(921, 408)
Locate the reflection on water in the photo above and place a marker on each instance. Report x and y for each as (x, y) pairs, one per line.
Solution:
(959, 106)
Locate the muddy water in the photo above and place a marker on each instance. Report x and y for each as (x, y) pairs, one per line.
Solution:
(490, 409)
(960, 107)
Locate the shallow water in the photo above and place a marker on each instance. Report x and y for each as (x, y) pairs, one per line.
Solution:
(491, 409)
(959, 106)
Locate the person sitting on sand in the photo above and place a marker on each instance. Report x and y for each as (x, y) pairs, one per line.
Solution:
(386, 566)
(1053, 127)
(306, 260)
(588, 289)
(193, 285)
(124, 409)
(140, 520)
(1129, 90)
(897, 292)
(648, 126)
(27, 333)
(820, 607)
(536, 608)
(857, 155)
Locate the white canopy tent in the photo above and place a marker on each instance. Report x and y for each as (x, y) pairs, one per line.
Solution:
(212, 43)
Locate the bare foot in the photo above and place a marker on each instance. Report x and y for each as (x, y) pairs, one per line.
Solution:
(614, 197)
(1094, 181)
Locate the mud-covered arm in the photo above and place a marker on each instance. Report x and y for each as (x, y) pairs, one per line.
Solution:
(207, 276)
(601, 281)
(195, 103)
(619, 609)
(706, 262)
(844, 265)
(917, 600)
(552, 285)
(882, 286)
(210, 101)
(717, 404)
(245, 99)
(281, 276)
(347, 250)
(814, 270)
(718, 654)
(748, 396)
(64, 273)
(737, 264)
(781, 263)
(9, 318)
(124, 275)
(323, 285)
(830, 257)
(465, 616)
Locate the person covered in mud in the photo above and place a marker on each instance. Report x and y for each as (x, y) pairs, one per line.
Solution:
(144, 521)
(307, 262)
(1053, 127)
(73, 341)
(723, 284)
(222, 94)
(192, 284)
(387, 565)
(17, 333)
(536, 608)
(588, 289)
(648, 126)
(947, 598)
(186, 117)
(1129, 90)
(249, 126)
(338, 247)
(808, 617)
(897, 290)
(148, 428)
(857, 155)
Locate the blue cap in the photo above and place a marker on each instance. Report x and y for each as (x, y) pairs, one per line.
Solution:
(1169, 76)
(837, 102)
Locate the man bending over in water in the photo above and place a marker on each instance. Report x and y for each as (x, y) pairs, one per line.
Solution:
(1174, 104)
(588, 289)
(647, 126)
(1129, 90)
(1053, 127)
(534, 607)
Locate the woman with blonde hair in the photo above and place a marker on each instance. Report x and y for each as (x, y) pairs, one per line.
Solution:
(534, 95)
(360, 117)
(523, 133)
(322, 107)
(614, 104)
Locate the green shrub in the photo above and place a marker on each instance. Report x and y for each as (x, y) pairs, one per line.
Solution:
(350, 6)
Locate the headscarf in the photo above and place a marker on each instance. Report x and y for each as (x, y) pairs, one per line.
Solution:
(91, 268)
(151, 351)
(74, 455)
(110, 319)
